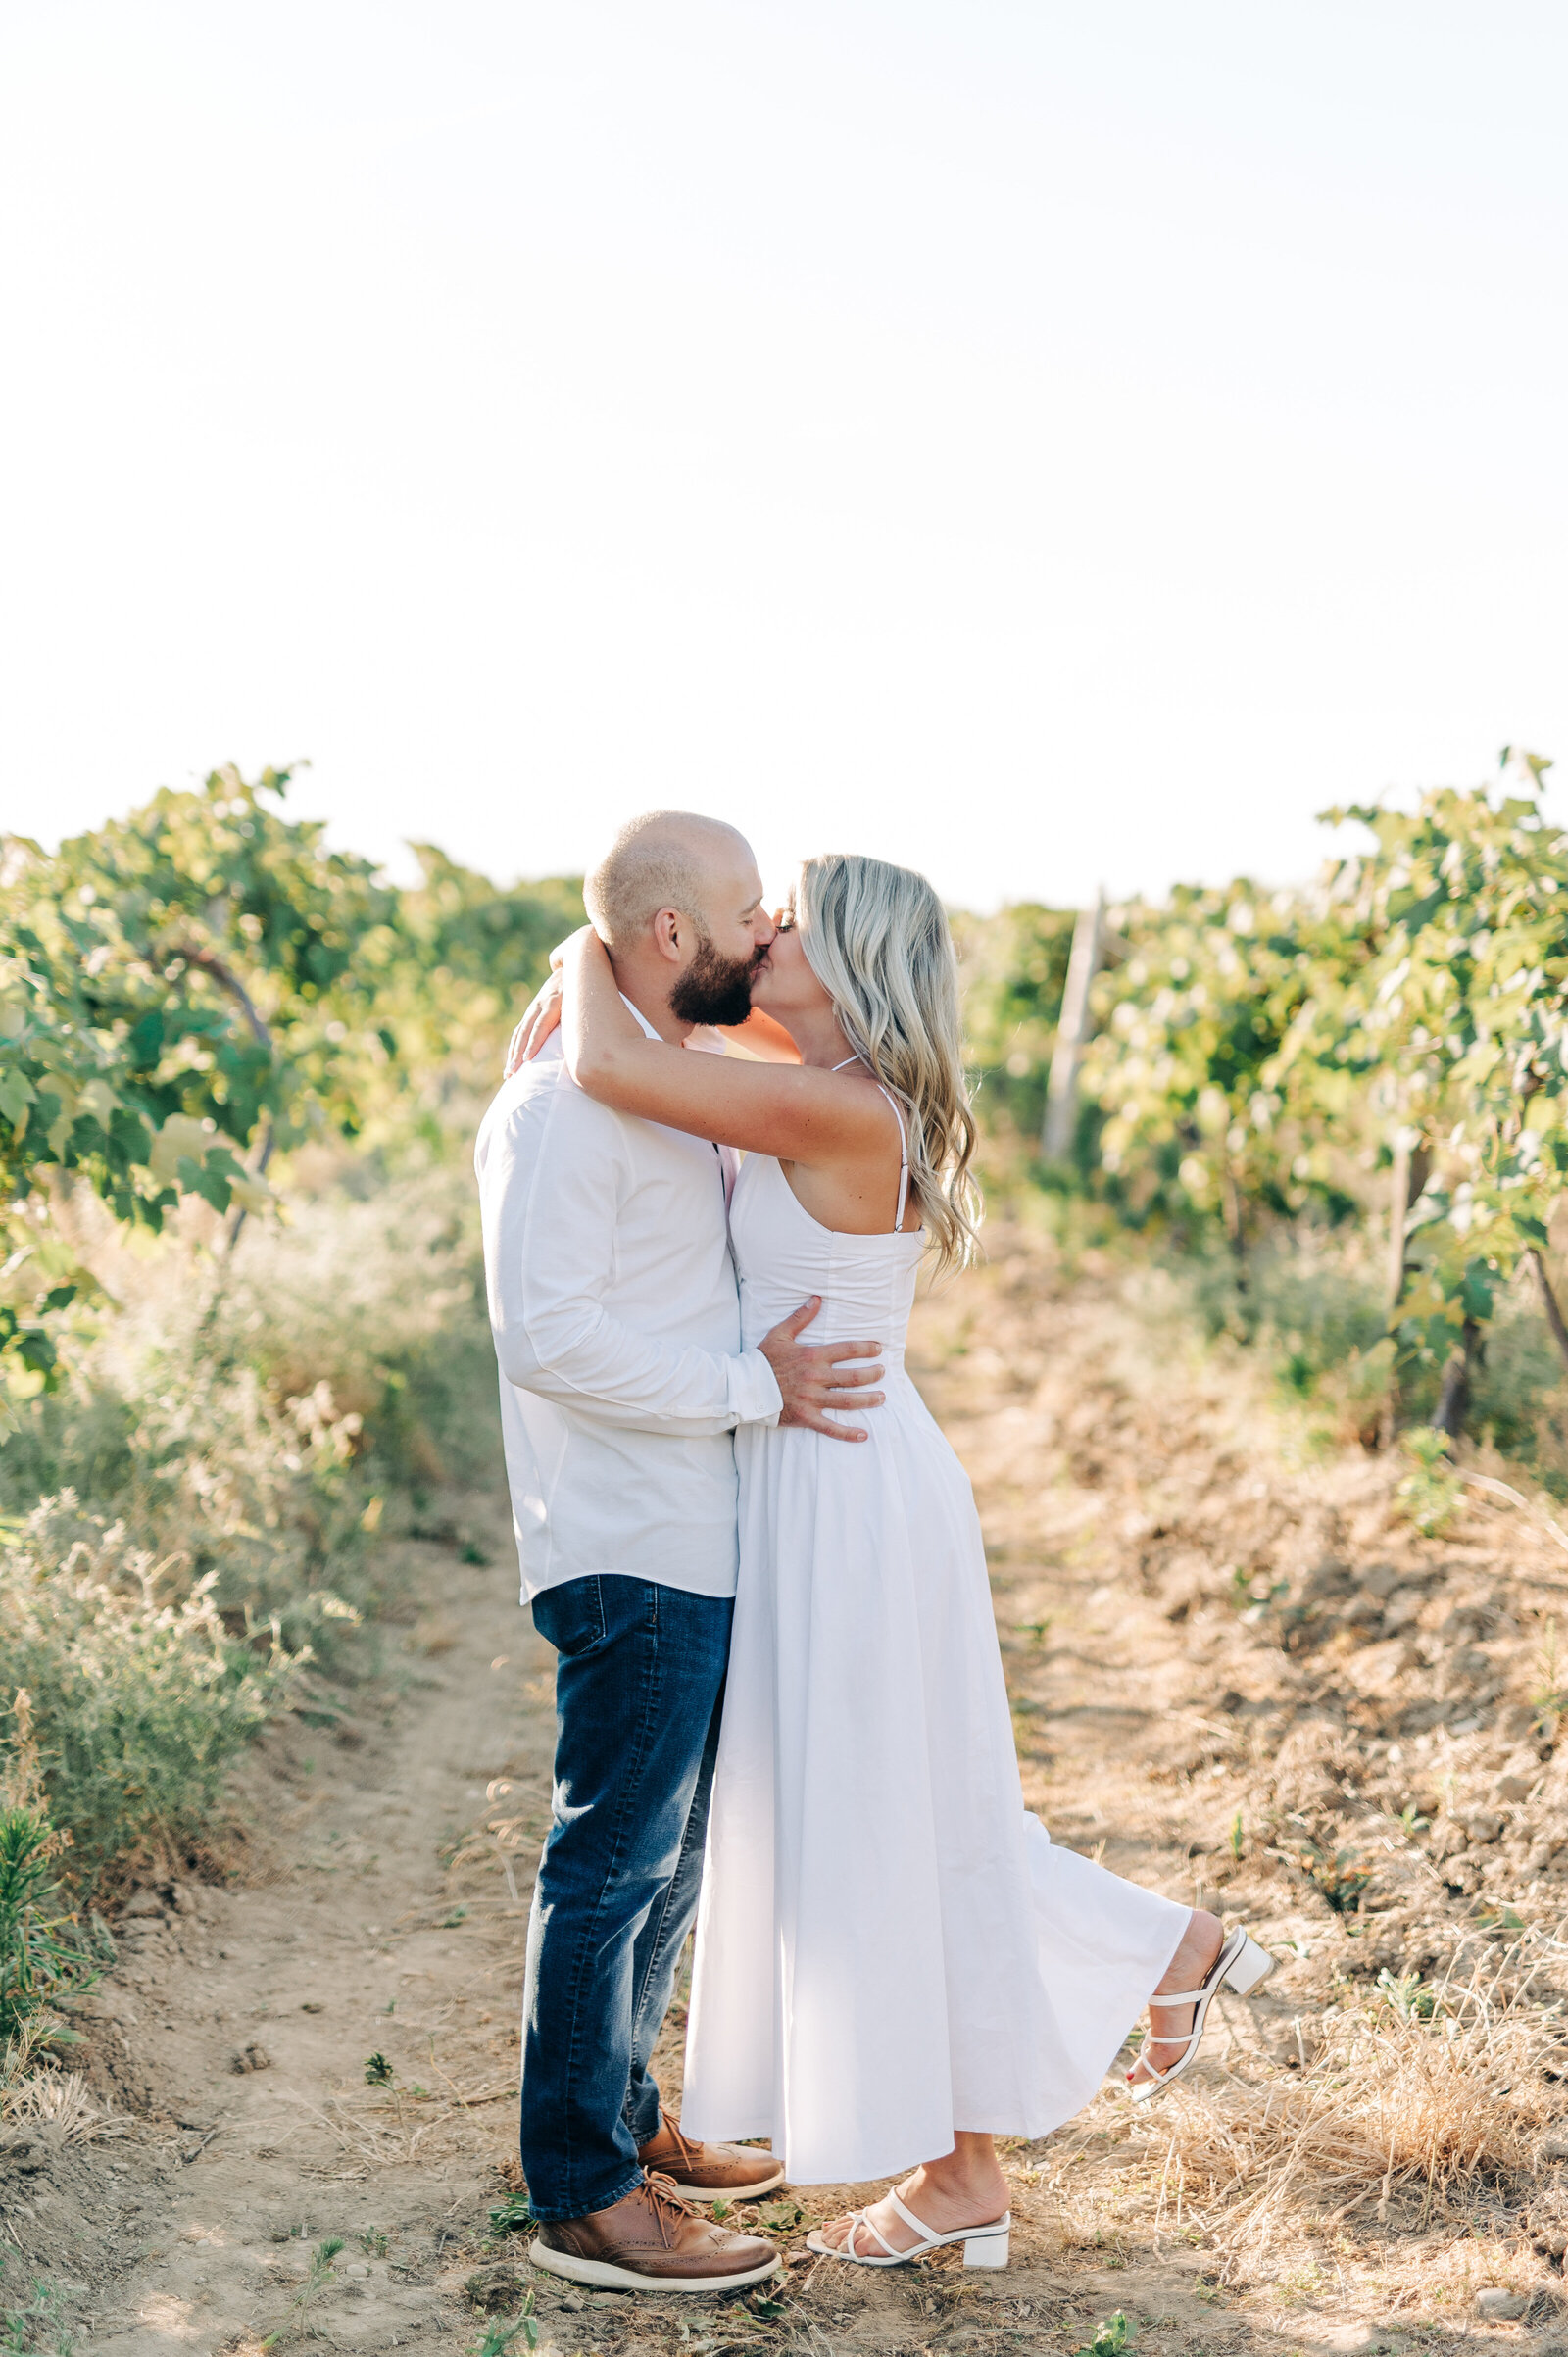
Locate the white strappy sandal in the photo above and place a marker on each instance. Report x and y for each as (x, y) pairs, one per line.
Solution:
(1240, 1965)
(983, 2246)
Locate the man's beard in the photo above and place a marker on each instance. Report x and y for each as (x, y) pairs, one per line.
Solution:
(715, 989)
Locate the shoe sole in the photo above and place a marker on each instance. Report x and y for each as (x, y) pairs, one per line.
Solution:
(607, 2277)
(764, 2185)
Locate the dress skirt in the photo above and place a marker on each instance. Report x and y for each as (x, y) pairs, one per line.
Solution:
(889, 1947)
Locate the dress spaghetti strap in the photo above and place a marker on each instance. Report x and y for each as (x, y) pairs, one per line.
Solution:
(903, 1143)
(904, 1159)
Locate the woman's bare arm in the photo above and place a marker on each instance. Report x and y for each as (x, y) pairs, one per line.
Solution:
(761, 1037)
(790, 1110)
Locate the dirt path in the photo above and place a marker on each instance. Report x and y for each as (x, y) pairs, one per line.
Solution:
(374, 1917)
(244, 2019)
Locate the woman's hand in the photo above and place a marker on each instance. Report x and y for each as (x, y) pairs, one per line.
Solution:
(542, 1014)
(540, 1017)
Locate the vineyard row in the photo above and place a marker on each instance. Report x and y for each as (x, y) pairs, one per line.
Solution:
(191, 995)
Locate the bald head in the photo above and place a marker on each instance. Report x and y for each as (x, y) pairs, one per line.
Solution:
(664, 859)
(679, 903)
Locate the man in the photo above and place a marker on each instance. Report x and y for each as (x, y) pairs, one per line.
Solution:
(616, 1322)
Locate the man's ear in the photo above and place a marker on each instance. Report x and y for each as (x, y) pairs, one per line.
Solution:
(672, 933)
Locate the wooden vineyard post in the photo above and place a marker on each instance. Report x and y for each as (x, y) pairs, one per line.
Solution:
(1453, 1396)
(1406, 1181)
(1549, 1302)
(1062, 1092)
(1398, 1213)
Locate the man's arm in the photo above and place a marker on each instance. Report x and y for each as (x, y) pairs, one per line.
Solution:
(548, 1217)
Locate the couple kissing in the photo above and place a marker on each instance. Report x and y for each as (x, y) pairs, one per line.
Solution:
(780, 1706)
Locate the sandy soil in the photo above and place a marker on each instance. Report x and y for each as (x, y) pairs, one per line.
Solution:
(371, 1913)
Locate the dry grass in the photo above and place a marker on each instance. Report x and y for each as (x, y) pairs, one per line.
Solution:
(59, 2099)
(378, 2130)
(1419, 2101)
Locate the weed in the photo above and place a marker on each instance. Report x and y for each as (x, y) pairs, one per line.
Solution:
(41, 1955)
(19, 2080)
(191, 1522)
(1431, 1492)
(310, 2291)
(1254, 1593)
(21, 2324)
(499, 2336)
(1412, 1998)
(36, 1965)
(141, 1704)
(1548, 1698)
(1340, 1876)
(1236, 1837)
(514, 2216)
(379, 2072)
(1111, 2336)
(373, 2242)
(721, 2209)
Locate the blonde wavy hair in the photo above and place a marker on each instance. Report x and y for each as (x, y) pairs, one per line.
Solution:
(876, 937)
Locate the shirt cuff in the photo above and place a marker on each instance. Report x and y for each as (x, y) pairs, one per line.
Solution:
(753, 1390)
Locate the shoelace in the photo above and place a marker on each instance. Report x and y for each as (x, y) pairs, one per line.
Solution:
(688, 2151)
(664, 2199)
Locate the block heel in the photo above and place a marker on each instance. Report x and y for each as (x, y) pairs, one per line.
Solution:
(1240, 1965)
(1251, 1966)
(983, 2246)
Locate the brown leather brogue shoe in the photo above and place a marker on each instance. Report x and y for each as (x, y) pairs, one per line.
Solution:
(734, 2172)
(653, 2242)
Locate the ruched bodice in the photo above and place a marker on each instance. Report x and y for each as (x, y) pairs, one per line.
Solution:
(783, 1255)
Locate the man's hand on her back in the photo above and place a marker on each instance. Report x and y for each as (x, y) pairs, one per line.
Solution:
(810, 1375)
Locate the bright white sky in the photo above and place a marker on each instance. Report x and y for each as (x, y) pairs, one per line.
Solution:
(1041, 443)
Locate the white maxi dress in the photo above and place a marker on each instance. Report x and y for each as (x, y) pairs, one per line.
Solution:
(889, 1948)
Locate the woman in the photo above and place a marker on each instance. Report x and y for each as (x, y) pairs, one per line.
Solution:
(892, 1959)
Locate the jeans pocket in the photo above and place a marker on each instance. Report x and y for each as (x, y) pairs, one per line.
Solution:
(571, 1617)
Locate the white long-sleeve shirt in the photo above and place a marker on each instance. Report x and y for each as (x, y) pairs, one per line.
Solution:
(616, 1323)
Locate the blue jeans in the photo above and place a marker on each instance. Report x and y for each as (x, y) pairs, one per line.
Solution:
(639, 1685)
